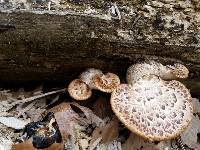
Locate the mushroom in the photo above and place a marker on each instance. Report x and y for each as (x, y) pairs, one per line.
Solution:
(153, 108)
(106, 82)
(88, 75)
(79, 90)
(168, 72)
(95, 79)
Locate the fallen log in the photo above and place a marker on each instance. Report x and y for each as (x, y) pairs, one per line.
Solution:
(58, 45)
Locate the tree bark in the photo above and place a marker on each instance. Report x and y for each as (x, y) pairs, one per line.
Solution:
(54, 46)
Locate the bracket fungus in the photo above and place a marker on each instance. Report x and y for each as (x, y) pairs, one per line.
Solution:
(81, 89)
(153, 108)
(168, 72)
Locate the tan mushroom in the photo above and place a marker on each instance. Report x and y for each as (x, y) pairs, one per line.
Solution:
(95, 79)
(106, 82)
(178, 71)
(88, 75)
(79, 90)
(168, 72)
(153, 108)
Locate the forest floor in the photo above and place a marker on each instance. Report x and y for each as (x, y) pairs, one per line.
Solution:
(89, 124)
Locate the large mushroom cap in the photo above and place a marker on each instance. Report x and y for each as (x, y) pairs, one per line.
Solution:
(88, 75)
(79, 90)
(106, 82)
(169, 72)
(153, 108)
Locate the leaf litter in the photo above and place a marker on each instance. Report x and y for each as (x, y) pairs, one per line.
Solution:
(81, 127)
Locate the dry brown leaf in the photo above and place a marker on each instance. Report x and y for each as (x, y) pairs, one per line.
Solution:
(107, 133)
(135, 142)
(91, 117)
(67, 118)
(66, 121)
(27, 145)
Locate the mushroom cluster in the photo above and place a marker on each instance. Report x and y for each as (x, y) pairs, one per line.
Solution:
(152, 104)
(151, 107)
(81, 89)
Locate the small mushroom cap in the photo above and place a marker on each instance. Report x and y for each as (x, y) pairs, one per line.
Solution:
(88, 75)
(153, 108)
(106, 83)
(179, 70)
(79, 90)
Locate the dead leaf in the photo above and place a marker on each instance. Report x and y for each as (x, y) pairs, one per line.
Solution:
(13, 122)
(66, 121)
(107, 133)
(91, 117)
(27, 145)
(135, 142)
(189, 136)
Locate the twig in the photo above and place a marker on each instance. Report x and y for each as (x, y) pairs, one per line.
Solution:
(38, 96)
(94, 145)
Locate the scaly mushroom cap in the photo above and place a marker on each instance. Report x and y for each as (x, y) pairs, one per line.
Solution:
(79, 90)
(106, 82)
(179, 70)
(153, 108)
(168, 72)
(88, 75)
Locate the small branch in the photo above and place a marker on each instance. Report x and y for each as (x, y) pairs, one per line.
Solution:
(38, 96)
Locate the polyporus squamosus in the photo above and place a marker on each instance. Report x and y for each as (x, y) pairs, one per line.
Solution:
(88, 75)
(95, 79)
(81, 89)
(167, 72)
(106, 82)
(153, 108)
